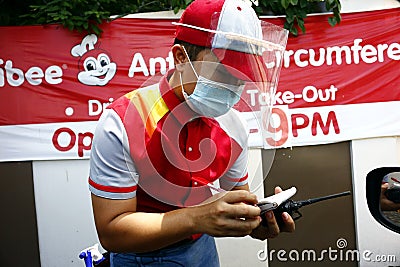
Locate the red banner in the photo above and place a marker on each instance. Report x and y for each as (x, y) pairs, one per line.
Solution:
(54, 83)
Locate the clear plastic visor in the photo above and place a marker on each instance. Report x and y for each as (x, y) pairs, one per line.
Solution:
(250, 57)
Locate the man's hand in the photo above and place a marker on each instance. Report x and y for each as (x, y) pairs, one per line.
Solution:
(230, 213)
(273, 229)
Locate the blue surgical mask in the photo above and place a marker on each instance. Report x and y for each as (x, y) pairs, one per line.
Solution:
(211, 98)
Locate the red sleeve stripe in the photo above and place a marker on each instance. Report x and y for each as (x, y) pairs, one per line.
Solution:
(237, 180)
(112, 189)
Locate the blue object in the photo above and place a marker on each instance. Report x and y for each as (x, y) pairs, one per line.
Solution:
(87, 257)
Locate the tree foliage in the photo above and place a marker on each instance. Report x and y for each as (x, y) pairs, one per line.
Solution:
(87, 15)
(296, 11)
(81, 15)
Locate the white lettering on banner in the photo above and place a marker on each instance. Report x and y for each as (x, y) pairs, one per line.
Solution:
(278, 125)
(34, 75)
(84, 142)
(95, 107)
(139, 65)
(276, 60)
(351, 54)
(310, 94)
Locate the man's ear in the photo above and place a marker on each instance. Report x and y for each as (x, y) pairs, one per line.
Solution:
(179, 56)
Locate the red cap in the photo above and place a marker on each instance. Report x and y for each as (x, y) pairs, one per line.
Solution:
(204, 23)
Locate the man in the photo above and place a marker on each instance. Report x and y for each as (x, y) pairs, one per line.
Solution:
(158, 150)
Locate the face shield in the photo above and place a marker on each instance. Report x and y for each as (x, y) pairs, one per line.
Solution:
(249, 55)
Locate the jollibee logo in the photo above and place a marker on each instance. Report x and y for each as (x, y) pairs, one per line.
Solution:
(95, 66)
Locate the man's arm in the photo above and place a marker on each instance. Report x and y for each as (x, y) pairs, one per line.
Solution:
(242, 187)
(121, 229)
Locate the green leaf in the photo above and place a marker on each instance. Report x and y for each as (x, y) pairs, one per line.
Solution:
(285, 3)
(337, 15)
(97, 30)
(332, 21)
(41, 21)
(294, 31)
(290, 13)
(258, 9)
(289, 18)
(302, 14)
(303, 3)
(69, 24)
(339, 6)
(287, 25)
(329, 2)
(300, 22)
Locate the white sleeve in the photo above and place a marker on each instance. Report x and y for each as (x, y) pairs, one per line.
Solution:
(112, 170)
(236, 129)
(237, 175)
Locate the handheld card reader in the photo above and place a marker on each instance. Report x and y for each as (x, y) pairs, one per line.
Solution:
(273, 202)
(281, 202)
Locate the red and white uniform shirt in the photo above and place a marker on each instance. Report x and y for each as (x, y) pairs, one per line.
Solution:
(150, 145)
